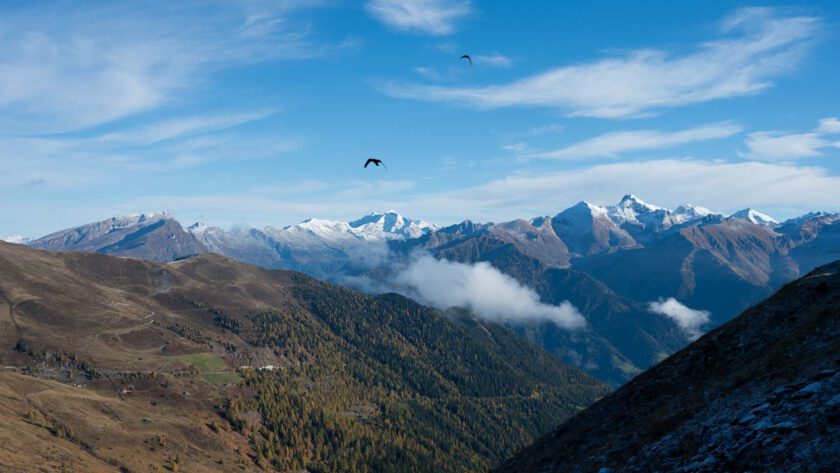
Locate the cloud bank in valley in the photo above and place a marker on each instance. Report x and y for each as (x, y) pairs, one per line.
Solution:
(483, 289)
(690, 320)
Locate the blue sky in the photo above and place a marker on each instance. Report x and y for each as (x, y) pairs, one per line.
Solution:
(262, 112)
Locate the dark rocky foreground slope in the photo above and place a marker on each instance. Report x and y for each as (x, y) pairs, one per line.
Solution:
(760, 393)
(208, 364)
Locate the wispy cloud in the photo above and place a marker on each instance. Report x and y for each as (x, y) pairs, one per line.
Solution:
(540, 130)
(70, 66)
(759, 44)
(185, 126)
(614, 143)
(781, 146)
(691, 321)
(429, 73)
(782, 189)
(492, 60)
(176, 144)
(434, 17)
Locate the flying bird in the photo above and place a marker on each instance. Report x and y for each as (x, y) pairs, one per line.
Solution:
(467, 57)
(376, 162)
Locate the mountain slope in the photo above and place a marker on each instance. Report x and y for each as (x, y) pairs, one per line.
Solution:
(760, 393)
(154, 237)
(234, 364)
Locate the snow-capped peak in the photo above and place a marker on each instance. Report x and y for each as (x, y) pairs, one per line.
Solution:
(389, 225)
(373, 226)
(687, 212)
(124, 221)
(330, 229)
(637, 204)
(16, 239)
(200, 228)
(631, 208)
(814, 216)
(582, 214)
(754, 216)
(590, 208)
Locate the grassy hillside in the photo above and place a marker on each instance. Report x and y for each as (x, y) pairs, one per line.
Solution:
(208, 364)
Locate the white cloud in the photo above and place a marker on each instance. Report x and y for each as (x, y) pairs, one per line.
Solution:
(777, 146)
(615, 143)
(829, 125)
(70, 66)
(435, 17)
(781, 146)
(484, 290)
(761, 45)
(492, 60)
(690, 320)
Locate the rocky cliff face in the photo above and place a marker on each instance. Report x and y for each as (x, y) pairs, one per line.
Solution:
(760, 393)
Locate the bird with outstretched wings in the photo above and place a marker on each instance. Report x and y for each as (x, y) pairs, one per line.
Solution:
(375, 162)
(467, 57)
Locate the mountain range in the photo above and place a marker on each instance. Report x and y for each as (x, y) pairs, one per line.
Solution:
(614, 264)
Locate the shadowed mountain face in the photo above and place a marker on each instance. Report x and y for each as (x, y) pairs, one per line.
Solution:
(760, 393)
(122, 363)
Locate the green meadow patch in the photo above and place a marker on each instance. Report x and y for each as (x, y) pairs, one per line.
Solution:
(211, 367)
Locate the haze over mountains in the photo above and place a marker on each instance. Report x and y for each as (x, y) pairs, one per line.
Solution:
(644, 279)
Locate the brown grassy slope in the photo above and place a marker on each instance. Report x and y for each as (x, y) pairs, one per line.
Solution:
(50, 426)
(101, 323)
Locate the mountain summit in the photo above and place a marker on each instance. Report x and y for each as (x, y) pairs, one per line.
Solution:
(754, 216)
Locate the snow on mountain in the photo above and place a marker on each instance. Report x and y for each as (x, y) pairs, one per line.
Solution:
(374, 226)
(810, 216)
(587, 229)
(634, 211)
(154, 236)
(16, 239)
(91, 235)
(389, 225)
(630, 208)
(754, 216)
(687, 213)
(199, 228)
(328, 229)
